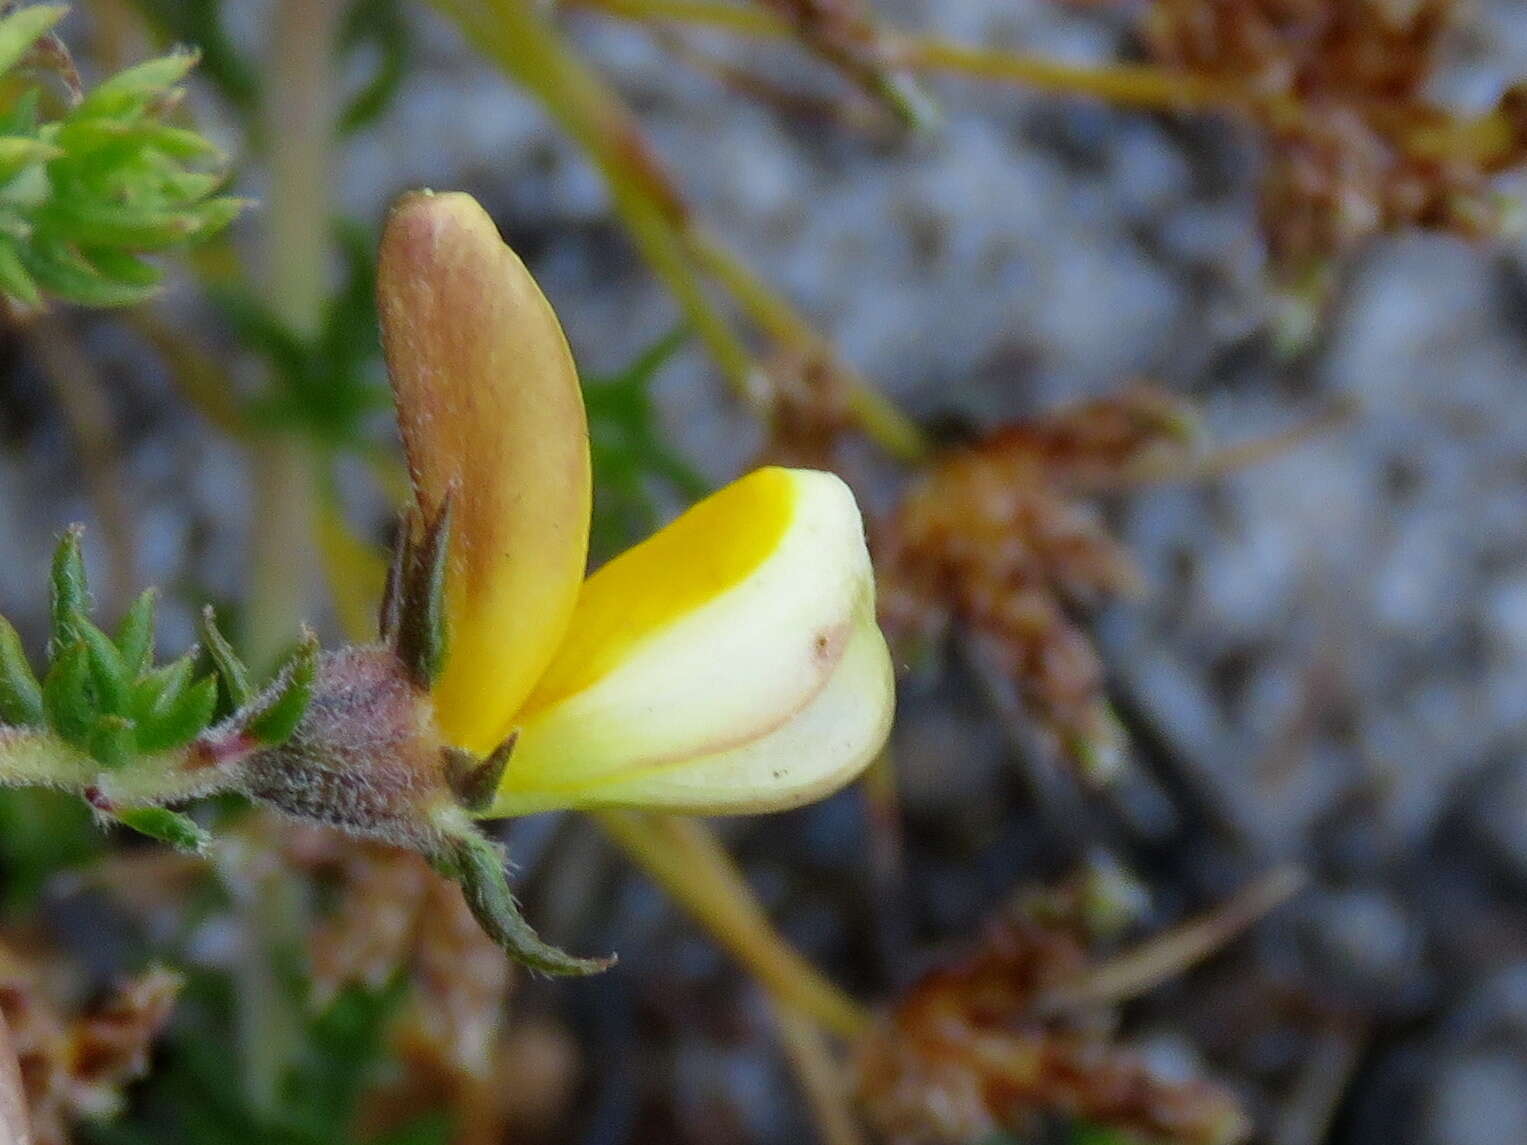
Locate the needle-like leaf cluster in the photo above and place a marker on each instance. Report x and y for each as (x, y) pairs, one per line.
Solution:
(88, 190)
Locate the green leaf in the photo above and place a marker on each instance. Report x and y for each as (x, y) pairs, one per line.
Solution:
(135, 636)
(20, 693)
(132, 86)
(123, 269)
(113, 741)
(66, 274)
(162, 686)
(276, 723)
(229, 666)
(378, 25)
(215, 214)
(107, 669)
(477, 864)
(19, 151)
(66, 696)
(109, 224)
(173, 827)
(174, 725)
(23, 28)
(108, 143)
(200, 22)
(69, 590)
(82, 195)
(14, 279)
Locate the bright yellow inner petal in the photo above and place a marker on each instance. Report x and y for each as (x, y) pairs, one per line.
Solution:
(693, 560)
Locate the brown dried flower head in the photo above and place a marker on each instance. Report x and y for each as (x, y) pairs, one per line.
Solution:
(964, 1054)
(74, 1064)
(1340, 89)
(998, 538)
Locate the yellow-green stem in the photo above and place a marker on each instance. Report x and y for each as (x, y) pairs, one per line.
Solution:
(299, 126)
(1130, 85)
(820, 1076)
(688, 861)
(1488, 139)
(529, 50)
(299, 132)
(877, 416)
(733, 18)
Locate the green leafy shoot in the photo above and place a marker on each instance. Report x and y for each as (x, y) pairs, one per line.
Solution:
(87, 192)
(103, 695)
(103, 707)
(633, 466)
(331, 384)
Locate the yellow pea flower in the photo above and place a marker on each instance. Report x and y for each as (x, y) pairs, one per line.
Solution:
(730, 663)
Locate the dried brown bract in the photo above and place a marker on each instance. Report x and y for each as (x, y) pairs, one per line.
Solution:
(963, 1055)
(1000, 539)
(1340, 88)
(74, 1064)
(810, 412)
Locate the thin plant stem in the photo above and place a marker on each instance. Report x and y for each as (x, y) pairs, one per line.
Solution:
(881, 421)
(528, 49)
(1241, 455)
(300, 126)
(734, 18)
(531, 51)
(1128, 85)
(1149, 964)
(1486, 139)
(81, 395)
(685, 857)
(1141, 86)
(821, 1077)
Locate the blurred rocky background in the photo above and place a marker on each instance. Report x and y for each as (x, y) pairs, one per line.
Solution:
(1326, 667)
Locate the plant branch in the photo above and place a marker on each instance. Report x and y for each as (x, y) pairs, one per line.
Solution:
(1159, 959)
(878, 417)
(300, 127)
(821, 1077)
(531, 51)
(687, 860)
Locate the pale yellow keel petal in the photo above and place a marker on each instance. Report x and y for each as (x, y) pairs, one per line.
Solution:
(818, 750)
(717, 632)
(489, 406)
